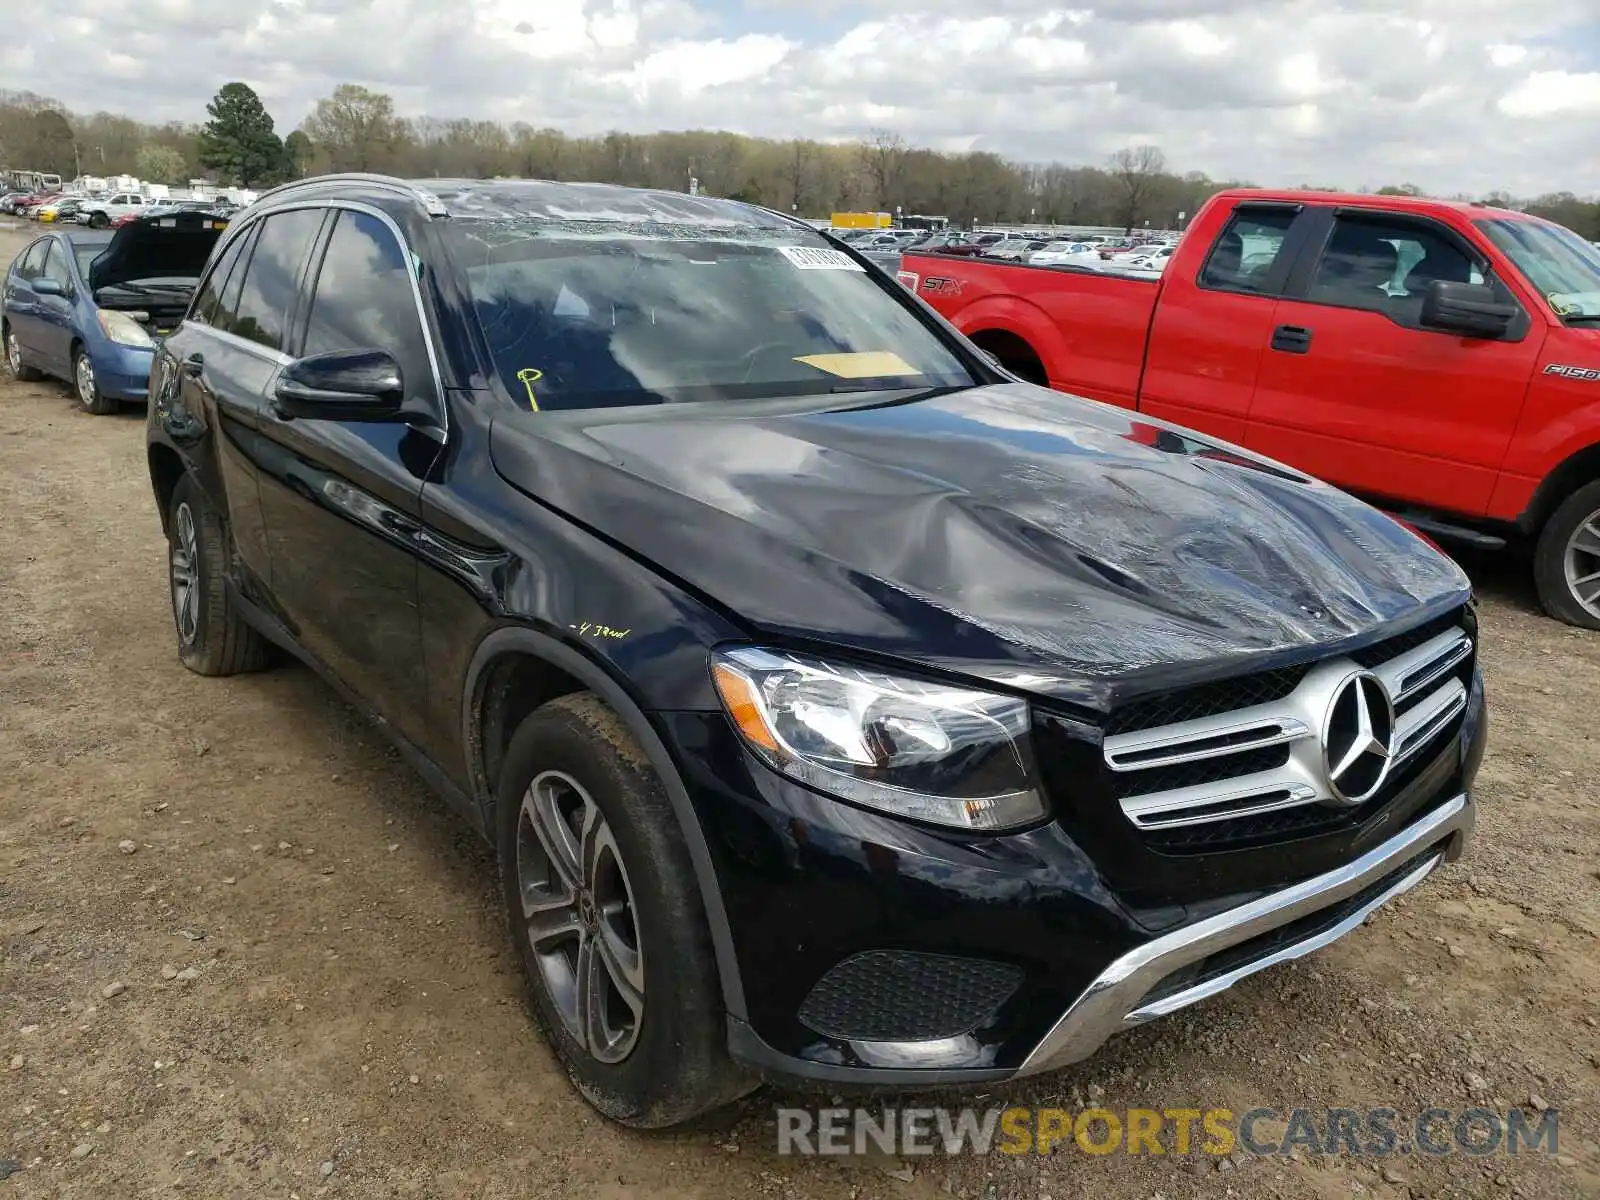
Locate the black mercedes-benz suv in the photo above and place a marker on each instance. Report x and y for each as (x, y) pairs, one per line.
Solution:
(838, 704)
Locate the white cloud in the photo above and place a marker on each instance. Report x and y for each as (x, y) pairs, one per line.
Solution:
(1551, 93)
(1455, 95)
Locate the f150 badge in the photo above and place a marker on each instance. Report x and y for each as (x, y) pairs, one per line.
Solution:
(1586, 374)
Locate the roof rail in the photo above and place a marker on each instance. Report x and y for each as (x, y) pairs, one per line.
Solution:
(431, 203)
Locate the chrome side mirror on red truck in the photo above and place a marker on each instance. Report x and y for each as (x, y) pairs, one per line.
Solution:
(1470, 309)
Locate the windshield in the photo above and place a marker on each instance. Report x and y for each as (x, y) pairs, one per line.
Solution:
(1560, 264)
(590, 314)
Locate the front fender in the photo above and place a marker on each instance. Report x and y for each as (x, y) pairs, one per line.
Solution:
(521, 640)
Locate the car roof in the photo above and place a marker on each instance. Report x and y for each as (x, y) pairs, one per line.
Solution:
(1421, 205)
(540, 200)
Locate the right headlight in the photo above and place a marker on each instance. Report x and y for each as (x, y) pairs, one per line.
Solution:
(928, 751)
(123, 329)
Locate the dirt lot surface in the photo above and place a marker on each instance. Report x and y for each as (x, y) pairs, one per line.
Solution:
(244, 953)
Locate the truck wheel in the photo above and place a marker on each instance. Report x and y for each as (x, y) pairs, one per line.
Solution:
(20, 371)
(607, 920)
(98, 220)
(1566, 564)
(213, 639)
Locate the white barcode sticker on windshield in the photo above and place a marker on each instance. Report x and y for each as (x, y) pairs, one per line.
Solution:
(818, 258)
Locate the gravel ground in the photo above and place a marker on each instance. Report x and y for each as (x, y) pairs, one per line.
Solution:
(244, 953)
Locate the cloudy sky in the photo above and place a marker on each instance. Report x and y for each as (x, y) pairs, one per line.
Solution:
(1455, 95)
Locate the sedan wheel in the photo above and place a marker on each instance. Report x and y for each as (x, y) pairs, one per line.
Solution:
(578, 908)
(85, 377)
(88, 387)
(20, 371)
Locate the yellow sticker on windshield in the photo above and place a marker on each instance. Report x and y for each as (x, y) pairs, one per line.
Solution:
(863, 364)
(530, 376)
(1558, 307)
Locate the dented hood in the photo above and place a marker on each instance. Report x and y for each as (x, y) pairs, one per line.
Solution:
(1010, 532)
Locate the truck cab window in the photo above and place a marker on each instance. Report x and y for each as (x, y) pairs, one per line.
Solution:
(1248, 250)
(1386, 265)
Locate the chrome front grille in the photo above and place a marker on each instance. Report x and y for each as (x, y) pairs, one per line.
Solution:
(1270, 756)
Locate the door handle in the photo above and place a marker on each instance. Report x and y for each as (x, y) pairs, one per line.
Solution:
(1292, 339)
(194, 366)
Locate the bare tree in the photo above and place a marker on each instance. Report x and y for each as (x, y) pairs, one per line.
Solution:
(883, 157)
(356, 127)
(1138, 171)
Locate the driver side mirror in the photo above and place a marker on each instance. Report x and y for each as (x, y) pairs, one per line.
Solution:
(342, 385)
(48, 287)
(1470, 309)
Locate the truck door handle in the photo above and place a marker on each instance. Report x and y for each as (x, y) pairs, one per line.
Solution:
(1292, 339)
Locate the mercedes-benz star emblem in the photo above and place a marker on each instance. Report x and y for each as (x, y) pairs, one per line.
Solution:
(1358, 738)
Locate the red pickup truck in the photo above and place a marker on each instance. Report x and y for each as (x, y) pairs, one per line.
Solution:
(1440, 359)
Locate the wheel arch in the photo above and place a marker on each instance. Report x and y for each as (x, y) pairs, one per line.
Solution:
(1014, 352)
(541, 669)
(166, 469)
(1010, 324)
(1577, 469)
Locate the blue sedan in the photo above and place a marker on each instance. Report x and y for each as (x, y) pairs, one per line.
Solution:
(89, 306)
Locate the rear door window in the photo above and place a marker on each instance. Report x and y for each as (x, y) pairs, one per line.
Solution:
(33, 259)
(228, 304)
(1250, 256)
(271, 281)
(210, 293)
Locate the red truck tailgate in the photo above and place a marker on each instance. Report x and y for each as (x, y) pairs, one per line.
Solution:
(1095, 322)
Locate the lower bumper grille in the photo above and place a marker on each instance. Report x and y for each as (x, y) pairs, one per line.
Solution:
(903, 996)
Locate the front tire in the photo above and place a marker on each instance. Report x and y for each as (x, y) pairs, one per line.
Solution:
(87, 386)
(20, 371)
(1566, 562)
(607, 920)
(98, 220)
(213, 639)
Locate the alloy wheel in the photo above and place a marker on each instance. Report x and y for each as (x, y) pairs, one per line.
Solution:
(185, 575)
(84, 373)
(1582, 564)
(579, 916)
(13, 353)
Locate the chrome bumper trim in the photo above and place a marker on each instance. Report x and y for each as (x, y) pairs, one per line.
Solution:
(1113, 1001)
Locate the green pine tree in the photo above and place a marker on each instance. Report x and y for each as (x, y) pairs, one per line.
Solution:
(239, 142)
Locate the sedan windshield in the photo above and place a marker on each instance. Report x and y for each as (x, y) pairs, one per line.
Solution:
(587, 315)
(1564, 267)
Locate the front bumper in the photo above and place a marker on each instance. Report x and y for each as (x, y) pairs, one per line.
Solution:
(899, 925)
(1274, 929)
(123, 372)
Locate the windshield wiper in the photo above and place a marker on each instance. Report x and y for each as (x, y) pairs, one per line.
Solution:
(896, 396)
(1582, 319)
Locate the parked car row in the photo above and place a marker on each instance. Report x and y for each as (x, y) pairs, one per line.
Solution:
(104, 211)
